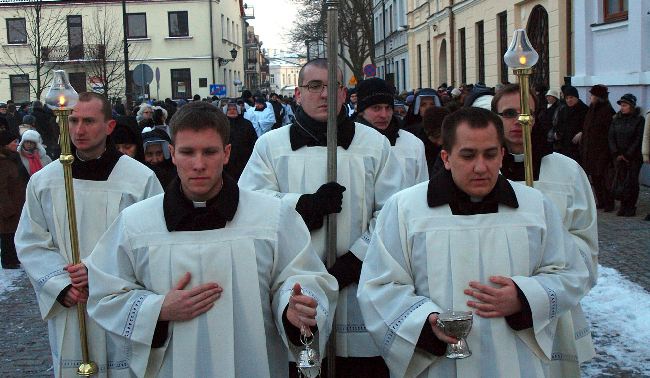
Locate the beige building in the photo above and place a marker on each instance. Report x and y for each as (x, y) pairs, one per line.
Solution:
(458, 42)
(186, 44)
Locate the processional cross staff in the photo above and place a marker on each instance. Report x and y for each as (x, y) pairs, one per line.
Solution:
(521, 57)
(61, 98)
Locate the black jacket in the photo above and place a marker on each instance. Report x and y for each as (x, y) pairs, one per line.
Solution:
(626, 134)
(242, 141)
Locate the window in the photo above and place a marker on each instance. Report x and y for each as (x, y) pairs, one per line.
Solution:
(181, 83)
(429, 62)
(223, 27)
(480, 52)
(178, 26)
(463, 56)
(503, 45)
(228, 28)
(615, 10)
(19, 85)
(75, 38)
(136, 25)
(78, 81)
(16, 30)
(272, 79)
(203, 82)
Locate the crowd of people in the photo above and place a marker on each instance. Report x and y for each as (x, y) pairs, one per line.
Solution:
(180, 204)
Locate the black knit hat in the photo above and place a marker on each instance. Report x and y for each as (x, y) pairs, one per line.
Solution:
(7, 136)
(372, 92)
(628, 98)
(570, 91)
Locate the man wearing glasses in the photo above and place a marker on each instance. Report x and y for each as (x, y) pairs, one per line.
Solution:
(564, 182)
(291, 163)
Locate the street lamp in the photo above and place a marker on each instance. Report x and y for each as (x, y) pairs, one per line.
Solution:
(521, 57)
(61, 98)
(223, 61)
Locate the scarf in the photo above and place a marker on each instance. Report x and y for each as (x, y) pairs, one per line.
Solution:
(34, 160)
(306, 131)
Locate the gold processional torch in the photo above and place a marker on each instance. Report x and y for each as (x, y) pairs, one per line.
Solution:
(61, 98)
(521, 57)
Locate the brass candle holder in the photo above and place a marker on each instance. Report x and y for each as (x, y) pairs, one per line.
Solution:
(61, 97)
(521, 57)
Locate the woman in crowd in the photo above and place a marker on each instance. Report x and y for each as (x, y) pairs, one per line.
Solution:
(32, 153)
(625, 136)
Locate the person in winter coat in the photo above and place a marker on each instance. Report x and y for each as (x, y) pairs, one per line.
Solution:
(594, 148)
(47, 127)
(645, 146)
(32, 153)
(625, 136)
(155, 142)
(242, 140)
(12, 196)
(546, 116)
(127, 138)
(570, 118)
(28, 124)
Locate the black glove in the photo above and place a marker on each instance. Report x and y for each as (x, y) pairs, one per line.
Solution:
(328, 199)
(346, 270)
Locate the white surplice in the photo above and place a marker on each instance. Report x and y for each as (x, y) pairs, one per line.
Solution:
(369, 172)
(564, 182)
(43, 245)
(421, 259)
(256, 258)
(409, 151)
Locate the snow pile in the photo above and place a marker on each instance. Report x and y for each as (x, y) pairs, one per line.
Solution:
(7, 279)
(619, 313)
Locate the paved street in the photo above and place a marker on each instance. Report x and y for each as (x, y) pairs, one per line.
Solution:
(624, 246)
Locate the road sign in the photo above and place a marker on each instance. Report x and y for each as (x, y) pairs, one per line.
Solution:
(142, 75)
(217, 90)
(370, 70)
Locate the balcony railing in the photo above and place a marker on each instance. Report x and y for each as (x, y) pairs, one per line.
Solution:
(87, 52)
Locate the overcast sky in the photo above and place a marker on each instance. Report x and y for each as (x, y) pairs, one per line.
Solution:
(273, 20)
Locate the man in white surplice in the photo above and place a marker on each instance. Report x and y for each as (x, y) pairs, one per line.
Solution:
(564, 182)
(105, 182)
(176, 274)
(470, 240)
(375, 109)
(290, 163)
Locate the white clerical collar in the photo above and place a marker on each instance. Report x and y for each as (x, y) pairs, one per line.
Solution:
(475, 199)
(200, 204)
(518, 157)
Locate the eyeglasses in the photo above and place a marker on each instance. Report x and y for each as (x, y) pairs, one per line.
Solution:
(509, 113)
(316, 86)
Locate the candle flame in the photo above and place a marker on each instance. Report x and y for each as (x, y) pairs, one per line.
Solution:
(61, 100)
(522, 60)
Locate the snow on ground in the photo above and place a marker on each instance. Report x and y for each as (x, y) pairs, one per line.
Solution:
(7, 278)
(619, 312)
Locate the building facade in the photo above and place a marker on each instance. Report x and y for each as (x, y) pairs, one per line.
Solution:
(283, 73)
(612, 47)
(391, 37)
(456, 42)
(186, 45)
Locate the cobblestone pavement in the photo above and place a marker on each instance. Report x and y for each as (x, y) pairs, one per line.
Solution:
(624, 245)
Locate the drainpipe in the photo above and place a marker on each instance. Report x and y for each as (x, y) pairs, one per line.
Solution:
(212, 44)
(452, 42)
(383, 26)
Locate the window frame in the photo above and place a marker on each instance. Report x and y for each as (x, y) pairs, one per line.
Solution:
(16, 42)
(128, 29)
(169, 24)
(621, 15)
(174, 81)
(13, 86)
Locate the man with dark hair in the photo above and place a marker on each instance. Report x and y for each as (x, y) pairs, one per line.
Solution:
(105, 183)
(564, 182)
(290, 163)
(186, 258)
(483, 244)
